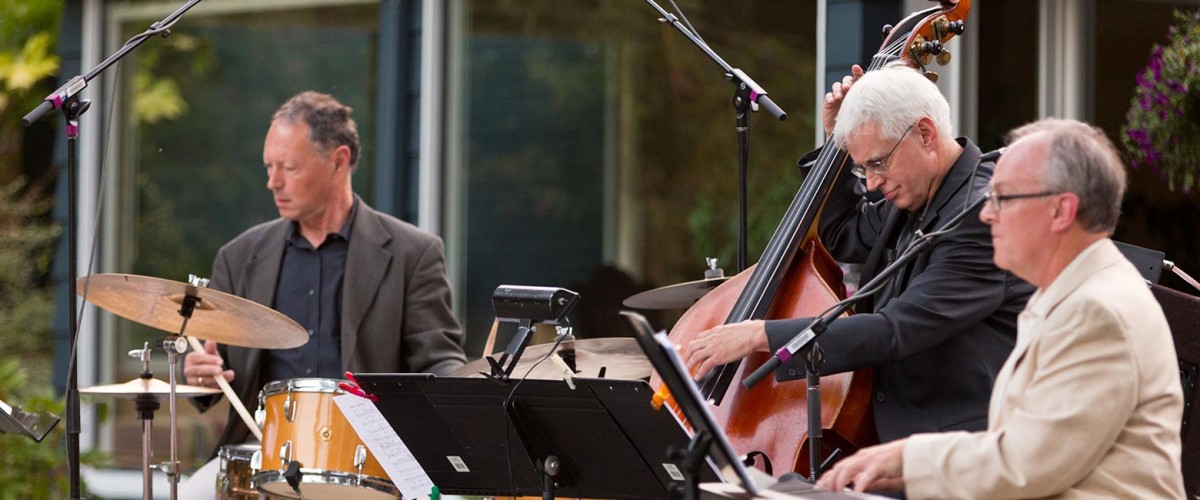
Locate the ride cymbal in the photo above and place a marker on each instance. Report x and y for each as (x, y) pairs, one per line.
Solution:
(219, 316)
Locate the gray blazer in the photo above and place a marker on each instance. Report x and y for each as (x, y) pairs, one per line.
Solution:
(396, 315)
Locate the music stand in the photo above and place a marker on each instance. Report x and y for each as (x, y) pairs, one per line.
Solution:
(480, 436)
(663, 356)
(35, 426)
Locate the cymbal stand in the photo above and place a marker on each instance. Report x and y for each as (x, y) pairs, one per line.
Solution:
(146, 404)
(176, 345)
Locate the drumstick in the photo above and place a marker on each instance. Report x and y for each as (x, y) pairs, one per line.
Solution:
(231, 396)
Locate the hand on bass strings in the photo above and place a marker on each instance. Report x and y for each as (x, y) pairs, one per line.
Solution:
(724, 344)
(877, 468)
(833, 98)
(200, 367)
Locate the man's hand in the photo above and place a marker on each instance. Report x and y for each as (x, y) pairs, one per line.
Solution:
(724, 344)
(200, 367)
(877, 468)
(833, 98)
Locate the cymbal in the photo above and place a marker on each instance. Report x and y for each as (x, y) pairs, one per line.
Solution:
(219, 316)
(621, 357)
(152, 386)
(677, 296)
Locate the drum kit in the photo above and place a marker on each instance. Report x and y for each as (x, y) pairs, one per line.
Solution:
(308, 449)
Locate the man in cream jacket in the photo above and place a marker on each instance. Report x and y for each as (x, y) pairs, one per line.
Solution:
(1089, 402)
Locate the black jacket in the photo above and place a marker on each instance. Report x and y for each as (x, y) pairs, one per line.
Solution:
(937, 337)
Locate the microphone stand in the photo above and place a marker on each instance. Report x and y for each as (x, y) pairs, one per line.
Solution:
(805, 342)
(66, 99)
(748, 96)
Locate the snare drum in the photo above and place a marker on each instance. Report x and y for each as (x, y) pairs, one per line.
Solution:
(238, 462)
(302, 424)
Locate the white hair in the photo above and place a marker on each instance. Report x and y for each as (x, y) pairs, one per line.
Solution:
(893, 98)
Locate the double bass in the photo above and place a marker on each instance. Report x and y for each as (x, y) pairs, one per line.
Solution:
(796, 277)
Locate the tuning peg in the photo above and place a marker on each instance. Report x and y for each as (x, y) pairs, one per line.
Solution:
(956, 27)
(887, 30)
(943, 58)
(932, 76)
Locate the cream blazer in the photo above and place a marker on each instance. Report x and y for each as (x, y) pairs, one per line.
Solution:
(1088, 405)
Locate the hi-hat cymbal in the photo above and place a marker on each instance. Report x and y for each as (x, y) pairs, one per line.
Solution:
(677, 296)
(219, 316)
(151, 386)
(620, 357)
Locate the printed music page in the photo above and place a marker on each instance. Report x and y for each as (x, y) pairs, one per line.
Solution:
(385, 445)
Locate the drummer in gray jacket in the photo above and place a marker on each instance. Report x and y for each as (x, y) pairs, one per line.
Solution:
(370, 290)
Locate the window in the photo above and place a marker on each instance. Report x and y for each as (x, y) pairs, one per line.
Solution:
(590, 147)
(187, 171)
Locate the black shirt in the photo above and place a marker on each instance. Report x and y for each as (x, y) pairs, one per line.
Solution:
(310, 292)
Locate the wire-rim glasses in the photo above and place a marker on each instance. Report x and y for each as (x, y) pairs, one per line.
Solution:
(878, 167)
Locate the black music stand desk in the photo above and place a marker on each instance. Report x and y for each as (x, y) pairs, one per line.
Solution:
(479, 436)
(34, 425)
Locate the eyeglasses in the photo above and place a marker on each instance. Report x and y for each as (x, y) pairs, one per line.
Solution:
(996, 201)
(878, 167)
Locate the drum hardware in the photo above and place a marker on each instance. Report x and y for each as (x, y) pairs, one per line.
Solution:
(293, 475)
(679, 295)
(285, 454)
(360, 458)
(146, 391)
(211, 315)
(289, 407)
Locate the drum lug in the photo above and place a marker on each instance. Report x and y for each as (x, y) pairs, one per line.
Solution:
(285, 453)
(256, 460)
(289, 408)
(360, 458)
(260, 413)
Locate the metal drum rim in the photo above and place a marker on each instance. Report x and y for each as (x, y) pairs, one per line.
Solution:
(319, 476)
(311, 385)
(239, 447)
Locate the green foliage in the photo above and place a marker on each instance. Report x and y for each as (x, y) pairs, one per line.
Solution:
(156, 97)
(26, 244)
(30, 469)
(21, 70)
(28, 61)
(1162, 127)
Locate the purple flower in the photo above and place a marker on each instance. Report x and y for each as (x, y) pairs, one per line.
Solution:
(1144, 102)
(1139, 136)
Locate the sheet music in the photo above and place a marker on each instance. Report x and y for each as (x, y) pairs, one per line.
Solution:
(385, 445)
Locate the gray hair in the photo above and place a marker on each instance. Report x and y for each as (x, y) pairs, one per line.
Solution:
(893, 98)
(1082, 160)
(329, 122)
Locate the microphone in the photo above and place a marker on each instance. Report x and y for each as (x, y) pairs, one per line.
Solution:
(992, 155)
